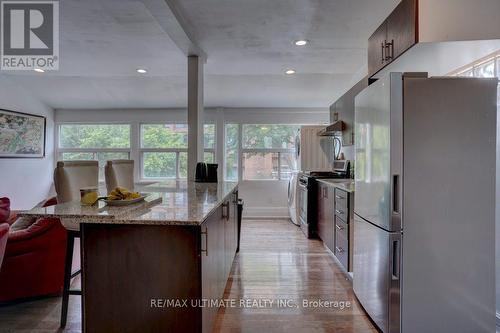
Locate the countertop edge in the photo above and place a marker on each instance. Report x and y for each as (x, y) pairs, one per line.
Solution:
(76, 219)
(340, 185)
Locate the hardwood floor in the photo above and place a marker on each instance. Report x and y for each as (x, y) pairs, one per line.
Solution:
(276, 262)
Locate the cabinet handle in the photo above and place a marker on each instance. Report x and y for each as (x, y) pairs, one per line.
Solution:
(383, 51)
(339, 211)
(339, 227)
(339, 249)
(390, 50)
(225, 205)
(206, 242)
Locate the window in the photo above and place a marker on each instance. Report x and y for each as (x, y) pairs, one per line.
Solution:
(231, 144)
(99, 142)
(164, 149)
(209, 143)
(268, 151)
(487, 67)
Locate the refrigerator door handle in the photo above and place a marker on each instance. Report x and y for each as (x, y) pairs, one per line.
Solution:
(396, 251)
(396, 193)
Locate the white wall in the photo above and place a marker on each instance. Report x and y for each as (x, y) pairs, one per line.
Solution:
(26, 181)
(262, 198)
(458, 20)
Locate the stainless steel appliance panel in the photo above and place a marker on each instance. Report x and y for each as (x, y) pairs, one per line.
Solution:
(377, 273)
(449, 205)
(376, 107)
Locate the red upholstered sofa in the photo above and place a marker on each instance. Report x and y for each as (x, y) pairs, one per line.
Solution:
(5, 216)
(4, 230)
(33, 264)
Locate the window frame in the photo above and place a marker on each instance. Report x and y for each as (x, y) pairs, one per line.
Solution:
(241, 151)
(59, 151)
(177, 151)
(495, 57)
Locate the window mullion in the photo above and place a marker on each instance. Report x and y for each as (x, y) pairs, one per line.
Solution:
(279, 165)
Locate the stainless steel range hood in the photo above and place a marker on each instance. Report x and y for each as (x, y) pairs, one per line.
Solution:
(333, 129)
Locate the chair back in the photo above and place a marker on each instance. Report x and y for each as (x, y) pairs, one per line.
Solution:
(119, 173)
(71, 176)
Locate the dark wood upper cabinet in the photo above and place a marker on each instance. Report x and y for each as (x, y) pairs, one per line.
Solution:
(402, 28)
(343, 109)
(376, 49)
(394, 36)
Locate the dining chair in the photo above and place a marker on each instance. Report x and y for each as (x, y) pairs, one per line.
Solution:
(69, 178)
(119, 173)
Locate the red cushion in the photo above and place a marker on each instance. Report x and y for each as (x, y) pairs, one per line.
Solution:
(4, 209)
(4, 230)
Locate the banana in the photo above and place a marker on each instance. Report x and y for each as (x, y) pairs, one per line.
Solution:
(121, 193)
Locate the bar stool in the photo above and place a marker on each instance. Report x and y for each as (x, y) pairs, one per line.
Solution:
(69, 178)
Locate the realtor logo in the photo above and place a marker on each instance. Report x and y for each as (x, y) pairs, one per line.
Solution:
(30, 35)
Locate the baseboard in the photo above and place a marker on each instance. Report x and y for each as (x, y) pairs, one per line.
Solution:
(265, 212)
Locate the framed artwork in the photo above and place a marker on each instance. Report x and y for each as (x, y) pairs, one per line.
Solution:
(22, 135)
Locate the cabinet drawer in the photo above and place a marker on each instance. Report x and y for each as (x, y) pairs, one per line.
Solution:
(341, 195)
(342, 249)
(341, 227)
(342, 212)
(341, 199)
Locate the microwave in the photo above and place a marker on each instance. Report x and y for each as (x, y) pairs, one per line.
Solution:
(341, 166)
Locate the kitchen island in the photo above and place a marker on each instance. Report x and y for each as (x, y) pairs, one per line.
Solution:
(147, 267)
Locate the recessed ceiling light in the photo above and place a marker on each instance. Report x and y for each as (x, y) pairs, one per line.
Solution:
(301, 42)
(39, 70)
(290, 72)
(142, 71)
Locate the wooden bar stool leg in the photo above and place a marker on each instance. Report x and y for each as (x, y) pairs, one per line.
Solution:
(67, 278)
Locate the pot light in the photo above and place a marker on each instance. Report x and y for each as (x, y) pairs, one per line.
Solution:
(301, 42)
(39, 70)
(141, 71)
(290, 72)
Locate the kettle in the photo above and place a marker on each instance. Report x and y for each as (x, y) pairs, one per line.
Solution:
(206, 172)
(201, 172)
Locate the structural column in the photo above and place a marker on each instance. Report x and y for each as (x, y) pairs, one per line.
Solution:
(195, 113)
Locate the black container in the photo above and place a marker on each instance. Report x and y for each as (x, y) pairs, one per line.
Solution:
(201, 172)
(212, 172)
(206, 173)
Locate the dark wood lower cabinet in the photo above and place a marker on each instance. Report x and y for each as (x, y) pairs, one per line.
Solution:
(326, 215)
(130, 271)
(218, 249)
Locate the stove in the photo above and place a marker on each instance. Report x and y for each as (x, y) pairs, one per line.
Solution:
(307, 201)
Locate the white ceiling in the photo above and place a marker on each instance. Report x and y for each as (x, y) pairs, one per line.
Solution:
(249, 44)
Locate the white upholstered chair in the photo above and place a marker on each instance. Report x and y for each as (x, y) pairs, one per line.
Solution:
(69, 178)
(119, 173)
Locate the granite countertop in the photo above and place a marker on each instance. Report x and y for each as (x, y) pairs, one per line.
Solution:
(167, 203)
(343, 184)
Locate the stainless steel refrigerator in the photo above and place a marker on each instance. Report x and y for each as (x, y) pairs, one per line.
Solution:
(424, 230)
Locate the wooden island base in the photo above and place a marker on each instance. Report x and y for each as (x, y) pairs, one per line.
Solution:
(131, 273)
